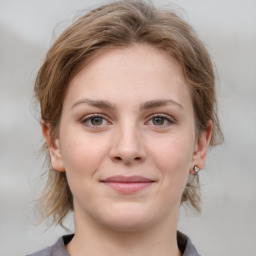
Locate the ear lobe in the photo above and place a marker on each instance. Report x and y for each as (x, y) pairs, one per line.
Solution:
(53, 147)
(201, 147)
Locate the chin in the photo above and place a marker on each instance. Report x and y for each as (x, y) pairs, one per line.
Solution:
(127, 219)
(127, 224)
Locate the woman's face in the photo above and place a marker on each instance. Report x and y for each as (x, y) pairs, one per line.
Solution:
(127, 138)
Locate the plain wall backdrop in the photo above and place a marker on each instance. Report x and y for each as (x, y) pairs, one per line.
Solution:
(227, 224)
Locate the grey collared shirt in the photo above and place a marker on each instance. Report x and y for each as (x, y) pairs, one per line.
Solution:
(58, 249)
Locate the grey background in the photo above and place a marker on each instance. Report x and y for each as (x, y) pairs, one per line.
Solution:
(227, 224)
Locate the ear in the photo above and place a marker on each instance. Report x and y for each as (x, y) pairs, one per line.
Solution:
(201, 147)
(53, 147)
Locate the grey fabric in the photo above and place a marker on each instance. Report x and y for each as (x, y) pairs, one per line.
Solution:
(186, 246)
(190, 249)
(58, 249)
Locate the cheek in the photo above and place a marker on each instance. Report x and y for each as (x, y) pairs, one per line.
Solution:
(83, 157)
(173, 156)
(82, 153)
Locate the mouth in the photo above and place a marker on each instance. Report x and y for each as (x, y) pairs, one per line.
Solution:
(127, 185)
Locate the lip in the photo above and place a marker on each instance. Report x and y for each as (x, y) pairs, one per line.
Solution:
(128, 184)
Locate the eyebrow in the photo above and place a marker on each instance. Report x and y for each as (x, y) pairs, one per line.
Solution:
(95, 103)
(159, 103)
(145, 106)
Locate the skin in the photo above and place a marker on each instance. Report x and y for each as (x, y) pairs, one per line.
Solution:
(142, 124)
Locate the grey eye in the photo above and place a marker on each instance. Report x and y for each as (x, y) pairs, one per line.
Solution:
(158, 120)
(96, 120)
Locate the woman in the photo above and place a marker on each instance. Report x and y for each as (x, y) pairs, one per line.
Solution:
(128, 111)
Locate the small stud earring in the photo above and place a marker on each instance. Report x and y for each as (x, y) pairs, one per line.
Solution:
(196, 169)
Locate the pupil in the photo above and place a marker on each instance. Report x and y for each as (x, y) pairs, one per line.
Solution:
(97, 121)
(158, 120)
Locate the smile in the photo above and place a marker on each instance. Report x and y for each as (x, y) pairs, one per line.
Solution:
(128, 185)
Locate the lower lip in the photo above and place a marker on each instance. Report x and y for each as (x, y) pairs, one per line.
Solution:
(128, 188)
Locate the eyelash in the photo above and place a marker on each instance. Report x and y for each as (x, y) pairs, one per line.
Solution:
(165, 118)
(90, 118)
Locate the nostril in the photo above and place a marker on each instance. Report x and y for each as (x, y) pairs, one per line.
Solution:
(118, 158)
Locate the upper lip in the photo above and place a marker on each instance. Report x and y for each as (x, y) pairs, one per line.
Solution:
(127, 179)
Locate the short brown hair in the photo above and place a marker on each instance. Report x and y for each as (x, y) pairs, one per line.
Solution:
(121, 24)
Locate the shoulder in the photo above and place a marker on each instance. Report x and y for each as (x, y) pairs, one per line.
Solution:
(57, 249)
(186, 246)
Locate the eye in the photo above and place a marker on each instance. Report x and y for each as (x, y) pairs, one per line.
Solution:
(160, 120)
(94, 121)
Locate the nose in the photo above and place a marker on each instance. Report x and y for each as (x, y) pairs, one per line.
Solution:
(127, 146)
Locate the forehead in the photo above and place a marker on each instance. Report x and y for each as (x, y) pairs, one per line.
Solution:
(139, 71)
(148, 57)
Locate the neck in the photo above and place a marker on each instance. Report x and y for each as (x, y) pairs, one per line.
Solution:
(92, 238)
